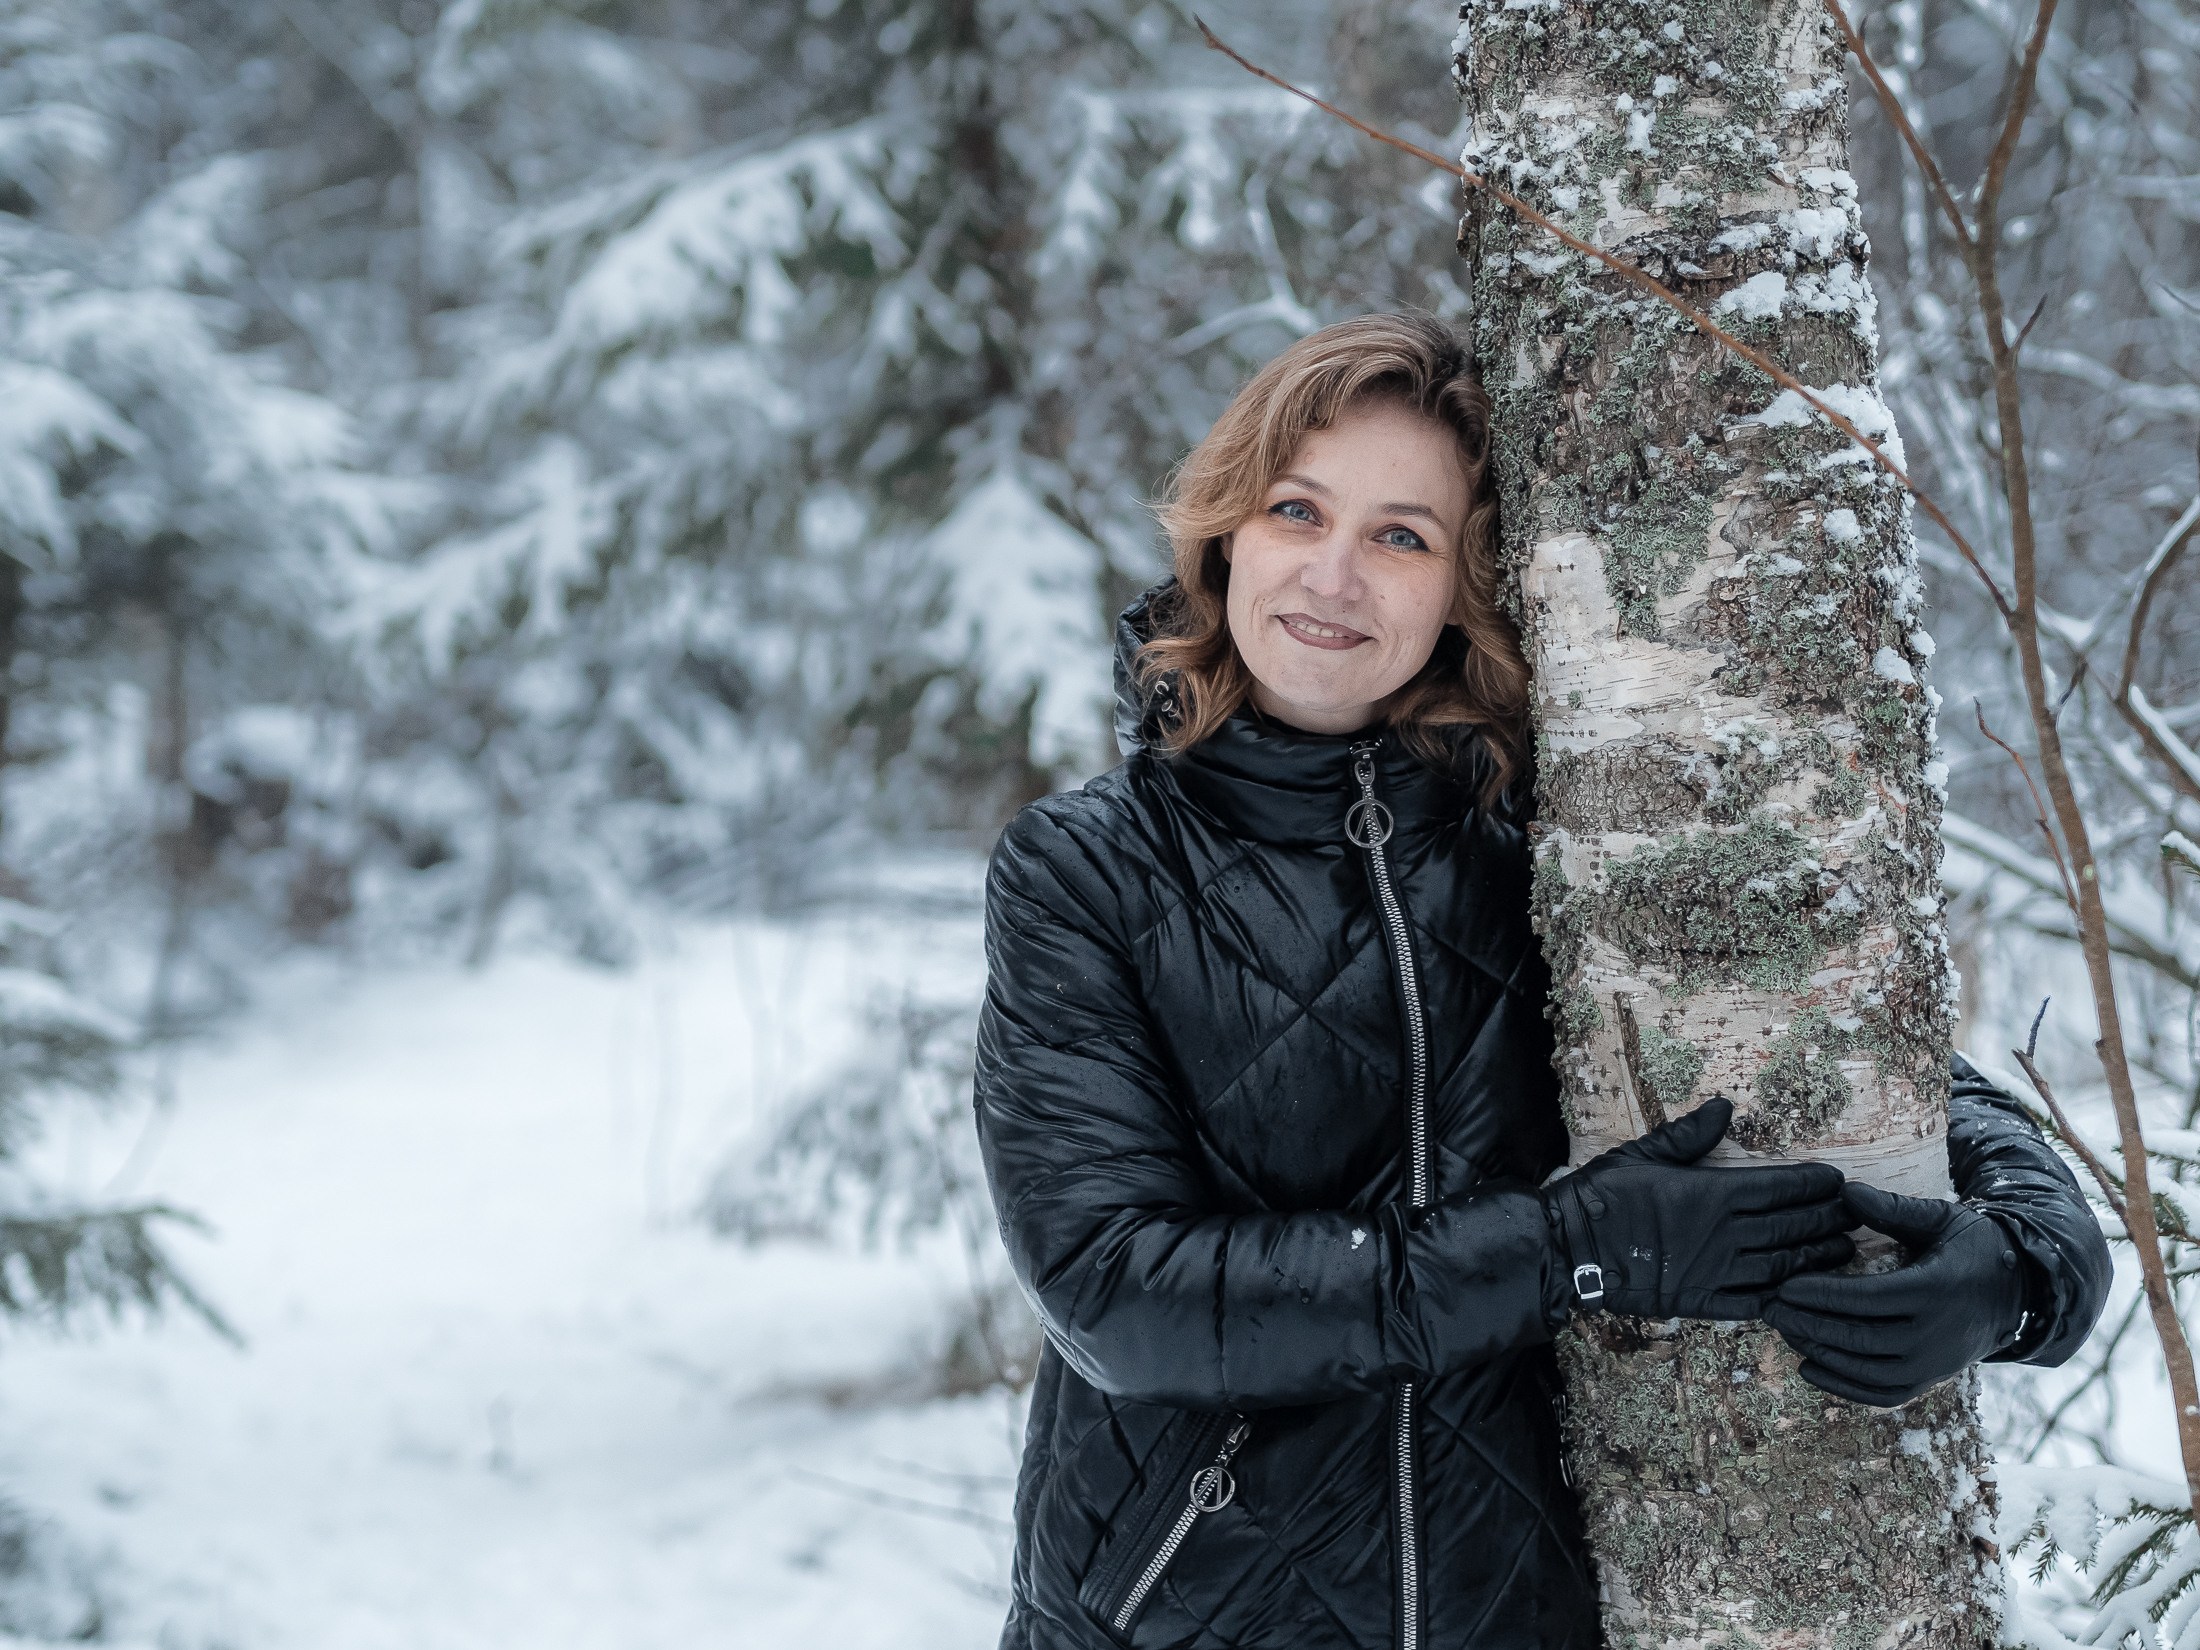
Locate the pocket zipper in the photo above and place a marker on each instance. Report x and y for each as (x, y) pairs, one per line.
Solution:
(1212, 1489)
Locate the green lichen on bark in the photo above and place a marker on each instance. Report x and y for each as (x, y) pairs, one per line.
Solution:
(1891, 727)
(1716, 48)
(1709, 1468)
(1800, 1089)
(1747, 759)
(1810, 629)
(1622, 788)
(1655, 541)
(1668, 1070)
(1724, 905)
(1785, 835)
(1562, 922)
(1841, 793)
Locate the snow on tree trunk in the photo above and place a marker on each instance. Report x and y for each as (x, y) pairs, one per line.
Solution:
(1737, 853)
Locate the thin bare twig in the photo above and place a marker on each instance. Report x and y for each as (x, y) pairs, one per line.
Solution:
(1649, 283)
(1896, 113)
(2168, 548)
(2163, 562)
(2020, 105)
(2030, 321)
(2039, 813)
(2025, 1057)
(904, 1503)
(2090, 910)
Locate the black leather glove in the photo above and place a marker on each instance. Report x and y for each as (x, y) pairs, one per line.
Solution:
(1884, 1337)
(1645, 1229)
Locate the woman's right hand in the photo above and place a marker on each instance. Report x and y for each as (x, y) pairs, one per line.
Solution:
(1649, 1230)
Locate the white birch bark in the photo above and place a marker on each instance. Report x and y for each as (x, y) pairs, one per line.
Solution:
(1738, 801)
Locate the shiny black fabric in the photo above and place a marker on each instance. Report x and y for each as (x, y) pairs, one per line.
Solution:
(1189, 1081)
(1999, 1163)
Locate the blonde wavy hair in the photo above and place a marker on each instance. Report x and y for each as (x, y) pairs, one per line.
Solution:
(1411, 359)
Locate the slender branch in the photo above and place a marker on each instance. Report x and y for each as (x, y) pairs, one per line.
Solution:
(2090, 910)
(903, 1503)
(1636, 276)
(2067, 1132)
(1896, 113)
(2030, 321)
(2161, 743)
(2082, 641)
(2063, 1126)
(2020, 105)
(2159, 565)
(2039, 810)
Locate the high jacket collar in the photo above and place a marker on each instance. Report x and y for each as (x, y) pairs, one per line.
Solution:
(1270, 782)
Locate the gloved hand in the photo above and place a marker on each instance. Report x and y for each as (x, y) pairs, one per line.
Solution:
(1884, 1337)
(1645, 1230)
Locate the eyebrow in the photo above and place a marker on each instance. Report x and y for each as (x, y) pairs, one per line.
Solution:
(1313, 486)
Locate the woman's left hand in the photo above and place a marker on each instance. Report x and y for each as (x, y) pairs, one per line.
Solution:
(1882, 1338)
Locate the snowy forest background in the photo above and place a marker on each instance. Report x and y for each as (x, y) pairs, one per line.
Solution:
(538, 544)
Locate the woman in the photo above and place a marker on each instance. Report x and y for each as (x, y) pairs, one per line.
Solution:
(1265, 1093)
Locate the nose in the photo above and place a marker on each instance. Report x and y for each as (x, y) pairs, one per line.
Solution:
(1332, 572)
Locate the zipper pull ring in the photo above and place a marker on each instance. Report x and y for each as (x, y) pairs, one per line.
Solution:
(1367, 823)
(1213, 1487)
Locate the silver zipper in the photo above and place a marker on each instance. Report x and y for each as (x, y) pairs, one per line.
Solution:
(1409, 1543)
(1369, 825)
(1212, 1489)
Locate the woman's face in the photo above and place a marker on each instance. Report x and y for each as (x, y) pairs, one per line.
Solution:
(1341, 581)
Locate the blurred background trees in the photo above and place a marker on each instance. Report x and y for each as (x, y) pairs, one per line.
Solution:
(529, 457)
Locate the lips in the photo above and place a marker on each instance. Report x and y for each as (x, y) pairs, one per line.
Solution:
(1304, 627)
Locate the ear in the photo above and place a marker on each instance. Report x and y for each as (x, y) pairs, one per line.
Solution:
(1224, 545)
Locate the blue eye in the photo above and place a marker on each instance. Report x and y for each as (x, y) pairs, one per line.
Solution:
(1403, 538)
(1304, 511)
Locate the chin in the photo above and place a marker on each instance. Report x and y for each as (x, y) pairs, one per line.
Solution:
(1326, 701)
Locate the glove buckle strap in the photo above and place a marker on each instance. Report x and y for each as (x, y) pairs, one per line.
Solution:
(1583, 1291)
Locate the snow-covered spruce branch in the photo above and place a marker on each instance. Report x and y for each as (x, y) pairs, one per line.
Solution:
(887, 1141)
(2181, 849)
(54, 1264)
(2130, 1534)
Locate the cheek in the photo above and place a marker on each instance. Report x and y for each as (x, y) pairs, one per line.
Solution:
(1255, 570)
(1418, 603)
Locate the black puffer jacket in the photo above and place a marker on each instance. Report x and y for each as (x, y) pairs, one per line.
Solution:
(1193, 1097)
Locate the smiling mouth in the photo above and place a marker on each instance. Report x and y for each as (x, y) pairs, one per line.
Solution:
(1304, 628)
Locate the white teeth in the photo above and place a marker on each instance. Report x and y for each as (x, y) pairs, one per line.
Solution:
(1313, 629)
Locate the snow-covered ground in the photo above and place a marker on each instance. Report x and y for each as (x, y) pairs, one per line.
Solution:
(497, 1387)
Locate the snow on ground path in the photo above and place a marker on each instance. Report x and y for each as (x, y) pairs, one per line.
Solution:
(493, 1394)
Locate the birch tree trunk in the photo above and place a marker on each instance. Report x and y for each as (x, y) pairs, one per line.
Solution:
(1737, 855)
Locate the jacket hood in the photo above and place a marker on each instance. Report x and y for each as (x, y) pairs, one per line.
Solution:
(1138, 711)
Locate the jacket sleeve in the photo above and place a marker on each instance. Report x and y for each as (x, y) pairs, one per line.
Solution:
(2000, 1162)
(1148, 1287)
